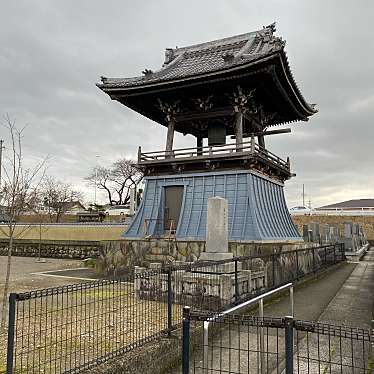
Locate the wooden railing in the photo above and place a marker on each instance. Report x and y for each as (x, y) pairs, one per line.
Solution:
(208, 152)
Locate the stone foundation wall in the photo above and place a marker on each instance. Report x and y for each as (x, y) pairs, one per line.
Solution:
(53, 249)
(119, 257)
(122, 255)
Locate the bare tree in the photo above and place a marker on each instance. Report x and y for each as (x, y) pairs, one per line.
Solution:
(116, 180)
(36, 205)
(125, 175)
(101, 178)
(17, 184)
(57, 197)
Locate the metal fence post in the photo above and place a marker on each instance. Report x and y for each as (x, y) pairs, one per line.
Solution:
(11, 327)
(262, 340)
(236, 281)
(372, 345)
(314, 260)
(342, 251)
(273, 268)
(292, 304)
(289, 343)
(325, 256)
(170, 302)
(186, 341)
(297, 264)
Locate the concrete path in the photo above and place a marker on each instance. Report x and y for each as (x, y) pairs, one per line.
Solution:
(353, 304)
(311, 299)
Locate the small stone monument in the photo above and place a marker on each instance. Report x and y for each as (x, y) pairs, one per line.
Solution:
(217, 244)
(132, 201)
(348, 230)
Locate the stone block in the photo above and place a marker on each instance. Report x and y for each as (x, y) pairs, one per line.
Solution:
(155, 265)
(226, 288)
(208, 256)
(348, 229)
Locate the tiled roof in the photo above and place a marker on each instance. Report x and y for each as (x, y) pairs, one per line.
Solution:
(351, 204)
(199, 59)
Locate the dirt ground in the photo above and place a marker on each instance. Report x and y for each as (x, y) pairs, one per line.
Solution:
(23, 278)
(59, 331)
(23, 269)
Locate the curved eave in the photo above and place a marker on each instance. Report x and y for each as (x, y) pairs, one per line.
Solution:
(283, 78)
(293, 85)
(109, 88)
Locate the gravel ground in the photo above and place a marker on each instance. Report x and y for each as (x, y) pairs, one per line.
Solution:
(23, 279)
(63, 330)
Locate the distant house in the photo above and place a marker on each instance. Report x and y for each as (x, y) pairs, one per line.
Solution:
(4, 216)
(73, 207)
(356, 205)
(67, 207)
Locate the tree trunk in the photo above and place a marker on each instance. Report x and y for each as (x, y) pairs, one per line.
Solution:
(4, 307)
(40, 240)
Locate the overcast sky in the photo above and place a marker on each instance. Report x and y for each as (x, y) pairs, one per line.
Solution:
(53, 52)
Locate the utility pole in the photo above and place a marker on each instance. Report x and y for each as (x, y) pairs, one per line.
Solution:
(97, 165)
(303, 195)
(1, 157)
(95, 185)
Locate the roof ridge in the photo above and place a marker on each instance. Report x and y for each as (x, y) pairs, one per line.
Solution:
(217, 42)
(221, 47)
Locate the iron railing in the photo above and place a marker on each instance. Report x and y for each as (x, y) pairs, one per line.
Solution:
(71, 328)
(290, 346)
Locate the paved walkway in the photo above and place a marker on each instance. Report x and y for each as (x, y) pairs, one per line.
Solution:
(311, 300)
(353, 304)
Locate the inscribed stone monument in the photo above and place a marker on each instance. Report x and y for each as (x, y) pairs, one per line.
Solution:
(216, 247)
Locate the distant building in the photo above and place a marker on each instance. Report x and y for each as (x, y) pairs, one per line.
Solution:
(4, 216)
(66, 207)
(73, 207)
(357, 204)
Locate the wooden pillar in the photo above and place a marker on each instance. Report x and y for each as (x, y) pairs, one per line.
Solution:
(170, 138)
(261, 141)
(239, 130)
(139, 154)
(253, 144)
(199, 145)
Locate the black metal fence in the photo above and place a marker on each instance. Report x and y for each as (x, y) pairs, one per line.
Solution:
(70, 328)
(290, 346)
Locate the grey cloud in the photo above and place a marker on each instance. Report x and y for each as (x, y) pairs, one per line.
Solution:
(53, 53)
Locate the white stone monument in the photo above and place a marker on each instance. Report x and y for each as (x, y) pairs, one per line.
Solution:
(132, 201)
(217, 241)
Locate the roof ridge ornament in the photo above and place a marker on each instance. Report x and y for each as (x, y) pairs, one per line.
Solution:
(228, 57)
(169, 55)
(147, 72)
(272, 27)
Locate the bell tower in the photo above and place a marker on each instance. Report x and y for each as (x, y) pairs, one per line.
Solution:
(228, 94)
